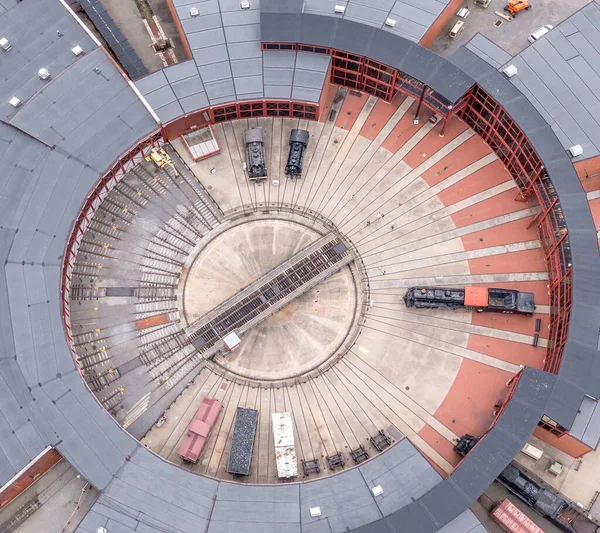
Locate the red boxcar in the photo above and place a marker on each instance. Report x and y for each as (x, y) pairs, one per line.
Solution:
(197, 433)
(513, 520)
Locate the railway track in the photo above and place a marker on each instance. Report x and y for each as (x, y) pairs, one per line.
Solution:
(126, 272)
(270, 293)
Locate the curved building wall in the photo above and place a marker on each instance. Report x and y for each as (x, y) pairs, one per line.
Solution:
(53, 151)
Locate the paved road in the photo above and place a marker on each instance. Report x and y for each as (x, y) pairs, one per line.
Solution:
(128, 18)
(511, 36)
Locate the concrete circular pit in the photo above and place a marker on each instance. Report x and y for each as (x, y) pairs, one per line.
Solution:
(301, 337)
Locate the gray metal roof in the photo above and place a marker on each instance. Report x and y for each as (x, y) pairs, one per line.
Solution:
(375, 43)
(88, 111)
(560, 75)
(114, 38)
(172, 499)
(180, 89)
(36, 44)
(586, 426)
(42, 397)
(413, 17)
(488, 51)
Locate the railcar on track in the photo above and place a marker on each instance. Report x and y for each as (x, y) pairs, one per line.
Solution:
(295, 161)
(255, 154)
(476, 298)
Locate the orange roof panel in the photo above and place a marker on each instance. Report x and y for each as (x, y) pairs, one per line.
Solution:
(476, 296)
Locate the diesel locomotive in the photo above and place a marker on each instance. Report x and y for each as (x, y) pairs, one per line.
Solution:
(298, 144)
(255, 154)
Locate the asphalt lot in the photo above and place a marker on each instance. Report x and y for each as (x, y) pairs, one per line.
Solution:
(511, 36)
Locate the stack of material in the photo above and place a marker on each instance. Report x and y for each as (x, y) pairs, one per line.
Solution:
(242, 442)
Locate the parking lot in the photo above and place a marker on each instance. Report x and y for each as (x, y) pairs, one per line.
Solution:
(511, 36)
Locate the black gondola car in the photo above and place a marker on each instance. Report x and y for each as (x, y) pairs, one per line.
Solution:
(255, 154)
(298, 144)
(478, 298)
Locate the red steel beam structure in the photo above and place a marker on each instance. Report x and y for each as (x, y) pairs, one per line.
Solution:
(240, 110)
(488, 119)
(381, 80)
(554, 237)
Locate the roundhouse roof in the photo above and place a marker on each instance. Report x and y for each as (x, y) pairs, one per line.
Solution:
(70, 129)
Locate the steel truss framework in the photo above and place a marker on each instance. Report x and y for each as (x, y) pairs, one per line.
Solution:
(381, 80)
(240, 110)
(497, 128)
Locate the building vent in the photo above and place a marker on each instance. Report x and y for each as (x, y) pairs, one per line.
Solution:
(44, 73)
(77, 50)
(315, 512)
(14, 101)
(194, 12)
(340, 10)
(576, 150)
(244, 4)
(390, 22)
(377, 491)
(510, 71)
(5, 44)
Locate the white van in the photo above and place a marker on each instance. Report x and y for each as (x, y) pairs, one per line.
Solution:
(458, 27)
(540, 33)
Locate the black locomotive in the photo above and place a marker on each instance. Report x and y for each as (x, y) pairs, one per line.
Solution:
(255, 154)
(478, 298)
(298, 144)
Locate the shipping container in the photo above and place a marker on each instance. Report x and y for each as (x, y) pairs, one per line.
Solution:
(511, 519)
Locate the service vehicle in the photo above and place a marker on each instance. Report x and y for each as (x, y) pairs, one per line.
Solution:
(538, 34)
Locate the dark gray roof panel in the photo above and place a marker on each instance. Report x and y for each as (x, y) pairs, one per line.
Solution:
(282, 6)
(586, 426)
(466, 522)
(560, 74)
(36, 44)
(405, 476)
(82, 112)
(413, 17)
(375, 43)
(345, 501)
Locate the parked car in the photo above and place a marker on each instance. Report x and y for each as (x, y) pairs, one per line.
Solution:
(540, 33)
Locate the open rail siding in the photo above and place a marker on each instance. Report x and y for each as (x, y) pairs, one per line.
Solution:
(478, 298)
(255, 154)
(242, 442)
(271, 292)
(298, 144)
(543, 500)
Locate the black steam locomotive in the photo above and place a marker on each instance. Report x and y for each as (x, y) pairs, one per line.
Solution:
(255, 154)
(298, 143)
(478, 298)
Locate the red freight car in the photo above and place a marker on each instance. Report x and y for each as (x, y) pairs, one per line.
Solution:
(513, 520)
(197, 433)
